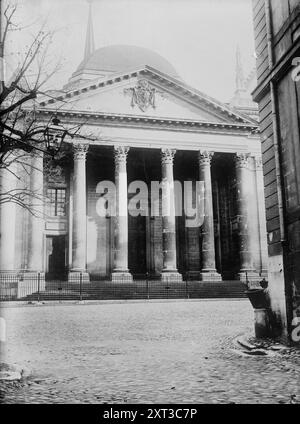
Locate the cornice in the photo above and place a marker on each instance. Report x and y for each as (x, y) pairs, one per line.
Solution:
(147, 122)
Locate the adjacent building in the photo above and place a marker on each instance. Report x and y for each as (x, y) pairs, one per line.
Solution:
(277, 38)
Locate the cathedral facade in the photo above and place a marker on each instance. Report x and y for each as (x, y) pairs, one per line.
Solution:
(140, 125)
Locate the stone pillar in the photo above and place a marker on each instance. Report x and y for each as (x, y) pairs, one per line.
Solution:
(36, 222)
(261, 216)
(169, 271)
(120, 270)
(8, 185)
(243, 181)
(208, 271)
(79, 216)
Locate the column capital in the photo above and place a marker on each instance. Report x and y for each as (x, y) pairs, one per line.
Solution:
(120, 153)
(242, 160)
(80, 151)
(205, 157)
(258, 162)
(167, 156)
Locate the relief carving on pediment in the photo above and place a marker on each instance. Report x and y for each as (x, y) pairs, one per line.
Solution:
(143, 95)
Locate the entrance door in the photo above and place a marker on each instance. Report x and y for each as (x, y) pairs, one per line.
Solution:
(55, 257)
(137, 262)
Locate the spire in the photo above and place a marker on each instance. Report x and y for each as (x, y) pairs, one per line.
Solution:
(241, 98)
(89, 41)
(239, 76)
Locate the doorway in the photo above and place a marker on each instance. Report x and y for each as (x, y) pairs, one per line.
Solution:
(56, 268)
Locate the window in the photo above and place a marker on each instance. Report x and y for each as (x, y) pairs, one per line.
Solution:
(56, 205)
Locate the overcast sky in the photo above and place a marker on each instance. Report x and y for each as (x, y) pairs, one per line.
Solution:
(199, 37)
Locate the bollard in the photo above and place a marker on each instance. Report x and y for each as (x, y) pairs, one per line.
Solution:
(261, 323)
(260, 304)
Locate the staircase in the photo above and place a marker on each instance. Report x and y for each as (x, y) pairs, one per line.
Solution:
(139, 289)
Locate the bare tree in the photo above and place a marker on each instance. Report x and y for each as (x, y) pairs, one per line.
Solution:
(21, 133)
(19, 128)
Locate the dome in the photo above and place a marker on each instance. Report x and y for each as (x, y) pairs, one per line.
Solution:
(119, 58)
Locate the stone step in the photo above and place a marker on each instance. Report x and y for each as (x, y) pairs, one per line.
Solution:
(140, 290)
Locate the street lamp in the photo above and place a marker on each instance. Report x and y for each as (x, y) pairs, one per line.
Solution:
(54, 135)
(51, 137)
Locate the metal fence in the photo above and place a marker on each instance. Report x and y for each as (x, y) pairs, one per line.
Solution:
(37, 289)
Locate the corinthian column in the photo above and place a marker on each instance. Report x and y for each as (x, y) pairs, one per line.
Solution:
(36, 220)
(120, 270)
(79, 216)
(208, 271)
(169, 271)
(244, 190)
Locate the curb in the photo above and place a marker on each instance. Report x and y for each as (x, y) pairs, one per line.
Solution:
(20, 303)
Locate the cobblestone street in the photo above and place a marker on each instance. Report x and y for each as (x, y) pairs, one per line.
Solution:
(144, 352)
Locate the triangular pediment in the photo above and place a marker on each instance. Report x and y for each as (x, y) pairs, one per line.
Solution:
(148, 93)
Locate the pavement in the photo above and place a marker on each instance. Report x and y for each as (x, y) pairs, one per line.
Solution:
(144, 352)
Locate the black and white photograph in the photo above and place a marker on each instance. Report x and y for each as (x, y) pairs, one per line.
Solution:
(149, 205)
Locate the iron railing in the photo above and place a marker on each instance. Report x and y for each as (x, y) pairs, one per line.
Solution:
(37, 289)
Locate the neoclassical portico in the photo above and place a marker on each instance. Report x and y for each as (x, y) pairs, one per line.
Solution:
(250, 235)
(137, 120)
(144, 124)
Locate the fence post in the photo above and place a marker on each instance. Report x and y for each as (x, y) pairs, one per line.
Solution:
(80, 287)
(60, 283)
(186, 286)
(247, 281)
(39, 280)
(167, 286)
(147, 285)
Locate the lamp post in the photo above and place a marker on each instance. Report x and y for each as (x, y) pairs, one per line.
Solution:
(51, 137)
(54, 135)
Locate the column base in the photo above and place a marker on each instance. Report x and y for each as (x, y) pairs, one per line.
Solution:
(76, 276)
(171, 277)
(121, 277)
(210, 275)
(251, 278)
